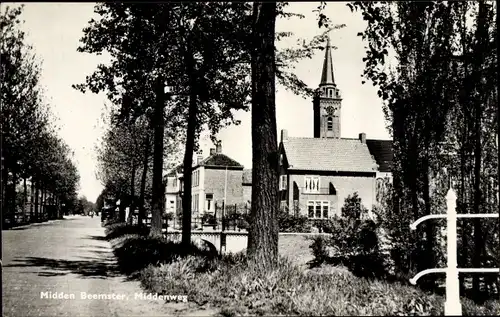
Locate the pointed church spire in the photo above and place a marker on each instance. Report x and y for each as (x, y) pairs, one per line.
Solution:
(327, 74)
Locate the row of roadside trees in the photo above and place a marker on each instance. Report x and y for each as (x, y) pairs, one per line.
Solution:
(38, 176)
(179, 69)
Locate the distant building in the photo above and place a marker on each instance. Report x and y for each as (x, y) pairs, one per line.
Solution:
(318, 173)
(215, 179)
(173, 189)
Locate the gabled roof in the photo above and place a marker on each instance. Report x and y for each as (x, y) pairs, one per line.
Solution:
(382, 152)
(174, 171)
(328, 154)
(247, 177)
(219, 159)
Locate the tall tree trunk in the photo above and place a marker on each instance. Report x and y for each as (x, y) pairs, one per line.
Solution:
(478, 62)
(463, 209)
(32, 198)
(157, 190)
(37, 201)
(464, 100)
(132, 195)
(430, 231)
(145, 164)
(263, 232)
(12, 198)
(4, 184)
(188, 153)
(25, 196)
(497, 189)
(42, 203)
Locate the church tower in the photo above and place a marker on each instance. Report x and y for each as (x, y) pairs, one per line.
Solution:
(327, 102)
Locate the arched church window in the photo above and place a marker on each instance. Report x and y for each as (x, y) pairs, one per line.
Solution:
(330, 93)
(329, 124)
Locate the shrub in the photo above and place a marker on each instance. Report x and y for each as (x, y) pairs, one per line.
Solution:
(293, 223)
(208, 219)
(319, 251)
(353, 242)
(137, 252)
(116, 230)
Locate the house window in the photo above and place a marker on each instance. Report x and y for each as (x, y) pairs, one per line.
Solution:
(318, 209)
(283, 182)
(311, 184)
(195, 178)
(329, 124)
(209, 198)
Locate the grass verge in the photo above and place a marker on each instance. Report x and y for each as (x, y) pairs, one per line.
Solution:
(230, 282)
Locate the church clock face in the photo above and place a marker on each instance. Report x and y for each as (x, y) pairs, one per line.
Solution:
(330, 110)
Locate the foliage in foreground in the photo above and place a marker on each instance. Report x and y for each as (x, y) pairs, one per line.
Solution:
(135, 252)
(116, 230)
(234, 284)
(230, 282)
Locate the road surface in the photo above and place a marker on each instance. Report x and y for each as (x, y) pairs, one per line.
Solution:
(70, 260)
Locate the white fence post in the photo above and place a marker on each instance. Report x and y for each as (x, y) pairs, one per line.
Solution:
(452, 306)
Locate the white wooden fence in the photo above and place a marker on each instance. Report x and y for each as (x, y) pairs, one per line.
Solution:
(452, 306)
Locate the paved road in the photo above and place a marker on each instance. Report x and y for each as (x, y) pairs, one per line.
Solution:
(68, 257)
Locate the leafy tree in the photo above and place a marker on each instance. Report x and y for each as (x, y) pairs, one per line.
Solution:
(25, 125)
(432, 102)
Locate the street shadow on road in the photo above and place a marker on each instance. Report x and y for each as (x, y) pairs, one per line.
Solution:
(88, 268)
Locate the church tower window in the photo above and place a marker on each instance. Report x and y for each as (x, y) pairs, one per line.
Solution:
(329, 124)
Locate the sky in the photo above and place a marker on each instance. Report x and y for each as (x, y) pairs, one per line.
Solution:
(54, 31)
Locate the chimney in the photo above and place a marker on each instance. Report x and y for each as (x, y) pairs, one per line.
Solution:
(212, 151)
(219, 147)
(362, 137)
(284, 135)
(200, 158)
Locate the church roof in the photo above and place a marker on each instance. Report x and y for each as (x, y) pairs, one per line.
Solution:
(328, 154)
(382, 152)
(327, 77)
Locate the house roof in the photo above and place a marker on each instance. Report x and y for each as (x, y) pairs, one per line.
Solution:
(247, 176)
(174, 171)
(328, 154)
(219, 159)
(382, 152)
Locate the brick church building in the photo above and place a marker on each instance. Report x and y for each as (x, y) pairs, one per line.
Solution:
(318, 173)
